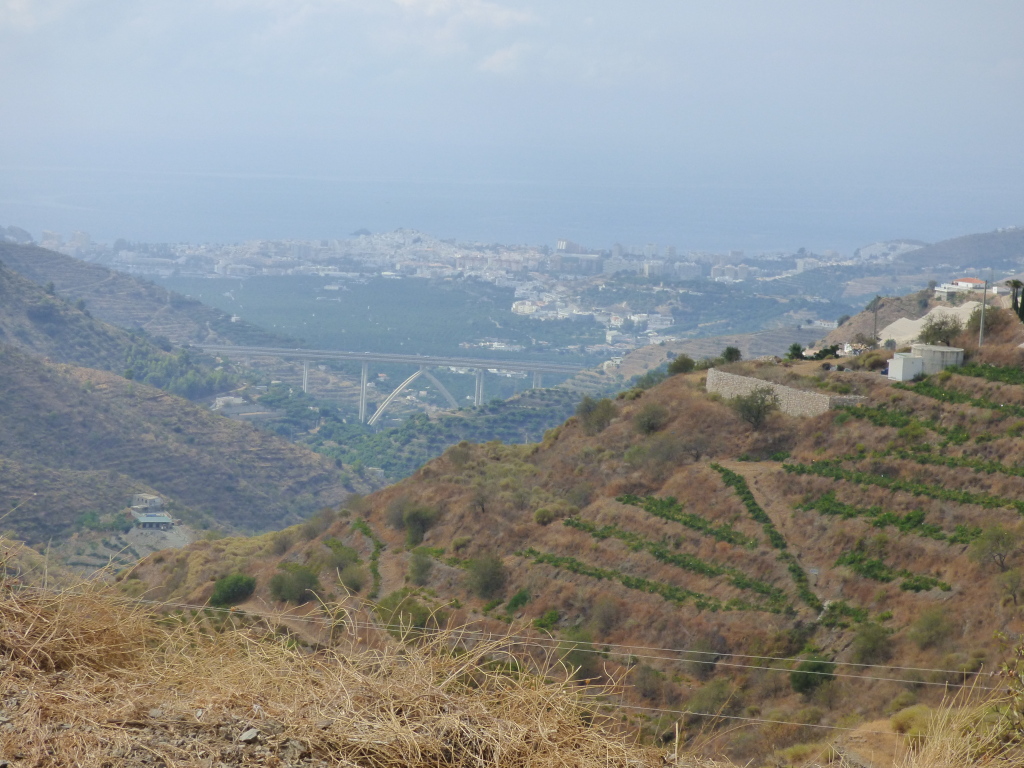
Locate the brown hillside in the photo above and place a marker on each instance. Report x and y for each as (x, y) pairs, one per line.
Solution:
(593, 566)
(83, 440)
(129, 302)
(890, 309)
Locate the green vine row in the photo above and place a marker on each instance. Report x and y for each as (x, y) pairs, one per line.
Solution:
(945, 395)
(378, 547)
(669, 508)
(739, 484)
(873, 568)
(832, 469)
(912, 522)
(668, 592)
(660, 551)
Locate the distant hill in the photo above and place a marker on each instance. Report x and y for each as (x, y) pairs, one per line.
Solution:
(83, 439)
(1003, 249)
(131, 303)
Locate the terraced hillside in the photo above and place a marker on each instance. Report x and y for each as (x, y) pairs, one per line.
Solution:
(703, 559)
(83, 441)
(129, 302)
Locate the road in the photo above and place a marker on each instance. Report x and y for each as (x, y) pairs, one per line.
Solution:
(378, 357)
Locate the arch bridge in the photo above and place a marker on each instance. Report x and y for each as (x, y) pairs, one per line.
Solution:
(423, 362)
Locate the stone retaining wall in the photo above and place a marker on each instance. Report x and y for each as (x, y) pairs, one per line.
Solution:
(795, 402)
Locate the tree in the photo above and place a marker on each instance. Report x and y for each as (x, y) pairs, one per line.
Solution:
(995, 545)
(795, 352)
(732, 355)
(755, 407)
(682, 364)
(940, 330)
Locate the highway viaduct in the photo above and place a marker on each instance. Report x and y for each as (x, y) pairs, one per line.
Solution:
(423, 362)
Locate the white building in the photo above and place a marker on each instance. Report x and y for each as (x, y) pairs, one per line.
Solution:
(923, 359)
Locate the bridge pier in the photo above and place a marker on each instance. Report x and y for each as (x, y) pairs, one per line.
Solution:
(478, 395)
(537, 379)
(362, 392)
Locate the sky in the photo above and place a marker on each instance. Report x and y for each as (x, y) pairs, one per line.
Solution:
(707, 124)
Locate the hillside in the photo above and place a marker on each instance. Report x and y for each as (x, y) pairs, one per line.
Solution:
(1002, 250)
(664, 521)
(890, 309)
(129, 302)
(83, 440)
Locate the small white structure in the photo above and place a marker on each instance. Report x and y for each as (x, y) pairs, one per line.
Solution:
(923, 359)
(147, 502)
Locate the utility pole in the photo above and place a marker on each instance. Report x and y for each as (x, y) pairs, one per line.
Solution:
(981, 325)
(874, 329)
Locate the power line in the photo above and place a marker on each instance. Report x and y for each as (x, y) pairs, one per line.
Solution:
(555, 644)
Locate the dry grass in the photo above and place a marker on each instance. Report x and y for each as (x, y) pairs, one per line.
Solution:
(89, 679)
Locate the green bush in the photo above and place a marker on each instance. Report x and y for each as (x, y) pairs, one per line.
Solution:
(731, 354)
(872, 644)
(416, 522)
(648, 681)
(932, 628)
(543, 516)
(595, 415)
(486, 576)
(420, 566)
(294, 584)
(518, 600)
(682, 364)
(811, 673)
(547, 620)
(353, 577)
(651, 418)
(232, 589)
(402, 613)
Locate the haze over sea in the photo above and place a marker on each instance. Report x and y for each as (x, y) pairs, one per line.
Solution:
(212, 207)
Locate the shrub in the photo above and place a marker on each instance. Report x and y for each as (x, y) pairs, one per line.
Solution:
(648, 681)
(401, 613)
(340, 557)
(281, 542)
(232, 589)
(317, 524)
(353, 577)
(912, 720)
(394, 514)
(682, 364)
(294, 584)
(650, 418)
(547, 620)
(420, 566)
(543, 516)
(932, 628)
(871, 643)
(580, 655)
(595, 415)
(606, 613)
(486, 576)
(518, 600)
(416, 522)
(811, 673)
(716, 698)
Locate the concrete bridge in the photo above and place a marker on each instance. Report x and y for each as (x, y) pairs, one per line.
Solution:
(479, 365)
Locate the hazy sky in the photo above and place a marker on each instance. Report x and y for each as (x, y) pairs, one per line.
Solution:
(705, 124)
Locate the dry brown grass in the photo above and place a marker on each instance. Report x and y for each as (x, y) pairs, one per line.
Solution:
(89, 679)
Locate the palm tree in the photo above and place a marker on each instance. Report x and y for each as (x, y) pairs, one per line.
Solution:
(1017, 287)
